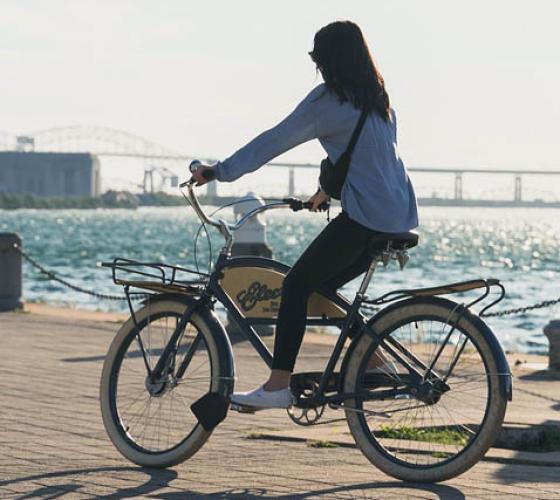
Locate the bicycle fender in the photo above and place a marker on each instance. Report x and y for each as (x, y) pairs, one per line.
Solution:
(499, 356)
(221, 338)
(506, 383)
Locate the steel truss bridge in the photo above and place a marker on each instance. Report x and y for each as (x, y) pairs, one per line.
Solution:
(108, 142)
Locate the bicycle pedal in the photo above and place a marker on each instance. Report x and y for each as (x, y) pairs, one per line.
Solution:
(242, 409)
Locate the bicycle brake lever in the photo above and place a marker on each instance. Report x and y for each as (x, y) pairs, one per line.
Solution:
(295, 203)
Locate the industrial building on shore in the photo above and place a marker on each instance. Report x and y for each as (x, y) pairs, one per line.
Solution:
(49, 174)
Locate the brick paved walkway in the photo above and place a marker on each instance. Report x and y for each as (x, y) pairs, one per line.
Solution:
(53, 443)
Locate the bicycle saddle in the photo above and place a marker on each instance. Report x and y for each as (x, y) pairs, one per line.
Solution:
(395, 241)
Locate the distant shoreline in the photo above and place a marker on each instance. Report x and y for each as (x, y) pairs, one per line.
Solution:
(110, 199)
(131, 201)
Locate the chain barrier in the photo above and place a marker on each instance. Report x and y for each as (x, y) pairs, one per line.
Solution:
(366, 307)
(498, 314)
(54, 277)
(521, 310)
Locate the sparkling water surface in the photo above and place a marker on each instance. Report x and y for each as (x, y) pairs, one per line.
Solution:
(521, 247)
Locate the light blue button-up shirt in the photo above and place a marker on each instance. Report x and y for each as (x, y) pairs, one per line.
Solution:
(377, 193)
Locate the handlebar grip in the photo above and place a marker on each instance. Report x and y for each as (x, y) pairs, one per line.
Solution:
(296, 204)
(309, 205)
(209, 174)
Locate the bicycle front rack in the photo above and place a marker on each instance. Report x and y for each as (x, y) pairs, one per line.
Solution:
(156, 276)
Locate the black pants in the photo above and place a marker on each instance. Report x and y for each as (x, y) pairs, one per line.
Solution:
(336, 256)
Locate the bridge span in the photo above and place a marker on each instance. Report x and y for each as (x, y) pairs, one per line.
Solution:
(113, 143)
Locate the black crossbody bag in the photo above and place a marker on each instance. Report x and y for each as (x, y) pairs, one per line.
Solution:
(332, 177)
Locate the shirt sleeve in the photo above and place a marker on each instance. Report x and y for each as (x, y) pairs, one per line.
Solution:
(298, 127)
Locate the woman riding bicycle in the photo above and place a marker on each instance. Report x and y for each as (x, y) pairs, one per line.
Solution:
(377, 195)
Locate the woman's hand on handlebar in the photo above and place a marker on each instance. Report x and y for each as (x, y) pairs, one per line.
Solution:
(203, 174)
(319, 201)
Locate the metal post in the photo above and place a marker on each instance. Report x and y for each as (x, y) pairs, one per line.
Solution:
(10, 272)
(552, 331)
(291, 183)
(250, 239)
(517, 192)
(459, 186)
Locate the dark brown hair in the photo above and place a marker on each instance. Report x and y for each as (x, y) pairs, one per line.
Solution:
(344, 60)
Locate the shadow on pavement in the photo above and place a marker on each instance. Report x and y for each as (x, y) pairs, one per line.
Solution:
(533, 474)
(441, 490)
(157, 479)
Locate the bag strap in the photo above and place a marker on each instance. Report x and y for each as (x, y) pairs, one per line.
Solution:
(356, 133)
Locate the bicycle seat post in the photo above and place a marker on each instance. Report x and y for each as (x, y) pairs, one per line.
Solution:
(367, 278)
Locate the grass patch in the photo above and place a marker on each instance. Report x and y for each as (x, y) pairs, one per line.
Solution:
(320, 443)
(440, 435)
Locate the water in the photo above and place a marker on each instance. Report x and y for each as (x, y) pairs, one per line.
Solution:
(519, 246)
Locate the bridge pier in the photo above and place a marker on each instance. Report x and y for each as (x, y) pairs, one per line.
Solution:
(517, 189)
(459, 186)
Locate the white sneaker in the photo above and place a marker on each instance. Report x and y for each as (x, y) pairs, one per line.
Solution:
(260, 399)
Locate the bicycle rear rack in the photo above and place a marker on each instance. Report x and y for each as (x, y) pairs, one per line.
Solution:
(460, 287)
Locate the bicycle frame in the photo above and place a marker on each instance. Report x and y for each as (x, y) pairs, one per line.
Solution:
(352, 316)
(351, 321)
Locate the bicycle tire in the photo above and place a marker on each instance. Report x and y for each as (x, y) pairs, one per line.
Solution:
(197, 436)
(405, 313)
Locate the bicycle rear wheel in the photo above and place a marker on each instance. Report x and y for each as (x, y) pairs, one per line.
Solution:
(151, 423)
(425, 430)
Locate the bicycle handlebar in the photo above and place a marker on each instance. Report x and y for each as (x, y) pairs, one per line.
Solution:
(294, 203)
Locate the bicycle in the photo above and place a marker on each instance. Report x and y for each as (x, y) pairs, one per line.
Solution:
(423, 383)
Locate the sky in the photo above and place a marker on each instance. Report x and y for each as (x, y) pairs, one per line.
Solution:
(474, 84)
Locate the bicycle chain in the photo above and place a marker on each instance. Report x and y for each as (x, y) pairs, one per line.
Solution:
(52, 276)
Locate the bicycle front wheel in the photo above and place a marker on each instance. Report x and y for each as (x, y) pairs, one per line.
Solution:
(150, 422)
(413, 422)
